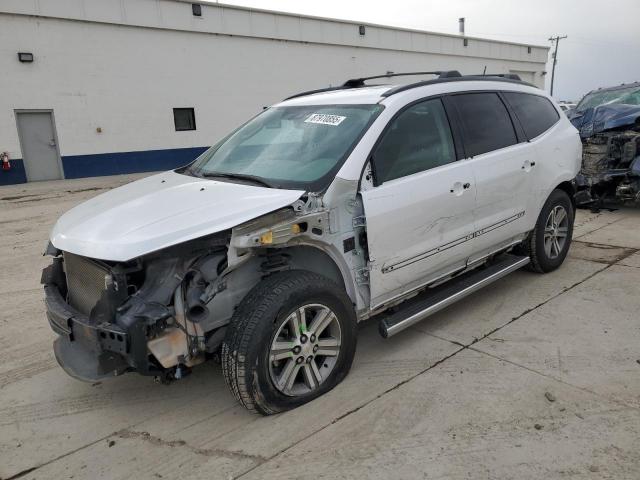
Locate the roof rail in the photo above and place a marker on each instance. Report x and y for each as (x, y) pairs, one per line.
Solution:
(511, 76)
(360, 82)
(499, 77)
(443, 77)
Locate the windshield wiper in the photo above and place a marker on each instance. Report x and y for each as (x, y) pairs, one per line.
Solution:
(237, 176)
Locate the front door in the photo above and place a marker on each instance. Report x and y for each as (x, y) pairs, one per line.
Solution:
(419, 210)
(38, 143)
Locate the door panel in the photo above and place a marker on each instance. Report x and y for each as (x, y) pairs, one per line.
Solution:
(418, 228)
(38, 142)
(420, 212)
(503, 189)
(501, 166)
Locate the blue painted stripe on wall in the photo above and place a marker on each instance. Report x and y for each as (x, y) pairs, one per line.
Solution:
(79, 166)
(15, 175)
(101, 164)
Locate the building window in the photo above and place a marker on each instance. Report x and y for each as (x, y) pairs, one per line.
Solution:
(196, 9)
(362, 30)
(528, 49)
(184, 119)
(465, 42)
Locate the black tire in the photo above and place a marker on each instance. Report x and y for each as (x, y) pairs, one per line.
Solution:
(534, 247)
(245, 350)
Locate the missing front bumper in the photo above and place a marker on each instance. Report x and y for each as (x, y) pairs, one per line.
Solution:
(85, 350)
(84, 364)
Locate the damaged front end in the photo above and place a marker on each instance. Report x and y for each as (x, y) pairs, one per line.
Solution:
(164, 312)
(609, 124)
(610, 168)
(148, 315)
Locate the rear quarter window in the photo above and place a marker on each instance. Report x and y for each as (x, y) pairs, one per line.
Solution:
(486, 122)
(536, 114)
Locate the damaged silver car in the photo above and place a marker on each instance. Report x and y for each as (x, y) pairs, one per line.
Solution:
(327, 209)
(608, 120)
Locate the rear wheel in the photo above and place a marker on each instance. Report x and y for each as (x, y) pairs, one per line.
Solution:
(548, 244)
(292, 339)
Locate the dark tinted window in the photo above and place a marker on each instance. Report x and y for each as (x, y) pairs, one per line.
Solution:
(486, 122)
(184, 119)
(418, 139)
(536, 114)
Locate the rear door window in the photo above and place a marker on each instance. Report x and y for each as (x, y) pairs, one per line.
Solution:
(486, 122)
(536, 114)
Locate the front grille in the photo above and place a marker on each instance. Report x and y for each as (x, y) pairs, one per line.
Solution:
(85, 282)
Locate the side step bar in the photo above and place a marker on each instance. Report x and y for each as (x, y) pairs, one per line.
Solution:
(432, 301)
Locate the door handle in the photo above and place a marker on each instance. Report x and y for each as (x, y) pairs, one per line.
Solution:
(458, 187)
(528, 165)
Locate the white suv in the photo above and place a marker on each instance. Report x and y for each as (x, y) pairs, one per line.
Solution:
(322, 211)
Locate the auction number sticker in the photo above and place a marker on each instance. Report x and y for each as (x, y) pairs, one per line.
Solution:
(324, 119)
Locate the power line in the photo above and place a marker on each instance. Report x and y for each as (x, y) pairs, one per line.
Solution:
(555, 40)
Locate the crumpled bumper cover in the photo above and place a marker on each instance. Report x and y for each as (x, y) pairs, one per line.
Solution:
(85, 351)
(84, 364)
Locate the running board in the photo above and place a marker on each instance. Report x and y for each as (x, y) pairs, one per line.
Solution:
(432, 301)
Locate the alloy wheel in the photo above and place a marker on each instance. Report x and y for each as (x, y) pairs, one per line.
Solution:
(555, 231)
(304, 350)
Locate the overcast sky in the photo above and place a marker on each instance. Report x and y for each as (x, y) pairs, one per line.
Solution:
(603, 47)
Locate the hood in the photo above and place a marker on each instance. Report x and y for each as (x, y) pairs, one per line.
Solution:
(160, 211)
(604, 117)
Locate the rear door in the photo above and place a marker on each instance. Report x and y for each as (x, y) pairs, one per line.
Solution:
(502, 162)
(419, 211)
(537, 116)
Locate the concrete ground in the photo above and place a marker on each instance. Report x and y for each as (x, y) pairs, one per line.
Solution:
(537, 376)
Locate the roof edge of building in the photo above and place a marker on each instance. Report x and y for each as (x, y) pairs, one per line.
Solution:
(37, 10)
(357, 22)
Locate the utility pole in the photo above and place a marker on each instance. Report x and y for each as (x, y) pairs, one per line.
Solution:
(555, 40)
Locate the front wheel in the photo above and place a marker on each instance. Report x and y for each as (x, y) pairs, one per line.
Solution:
(292, 339)
(548, 244)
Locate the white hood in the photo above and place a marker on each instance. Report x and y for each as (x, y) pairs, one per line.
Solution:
(159, 211)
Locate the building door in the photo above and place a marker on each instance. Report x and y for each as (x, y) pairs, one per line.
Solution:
(39, 145)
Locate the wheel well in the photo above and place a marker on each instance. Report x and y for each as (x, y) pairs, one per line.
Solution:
(240, 281)
(315, 260)
(569, 189)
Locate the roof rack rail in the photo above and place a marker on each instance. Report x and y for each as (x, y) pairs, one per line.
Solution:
(443, 76)
(511, 76)
(498, 77)
(360, 82)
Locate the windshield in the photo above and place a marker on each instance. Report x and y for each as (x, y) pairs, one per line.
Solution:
(289, 147)
(629, 96)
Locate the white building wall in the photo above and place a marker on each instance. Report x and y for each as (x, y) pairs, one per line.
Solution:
(123, 65)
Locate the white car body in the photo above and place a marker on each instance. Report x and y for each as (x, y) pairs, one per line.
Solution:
(159, 211)
(565, 106)
(380, 241)
(169, 208)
